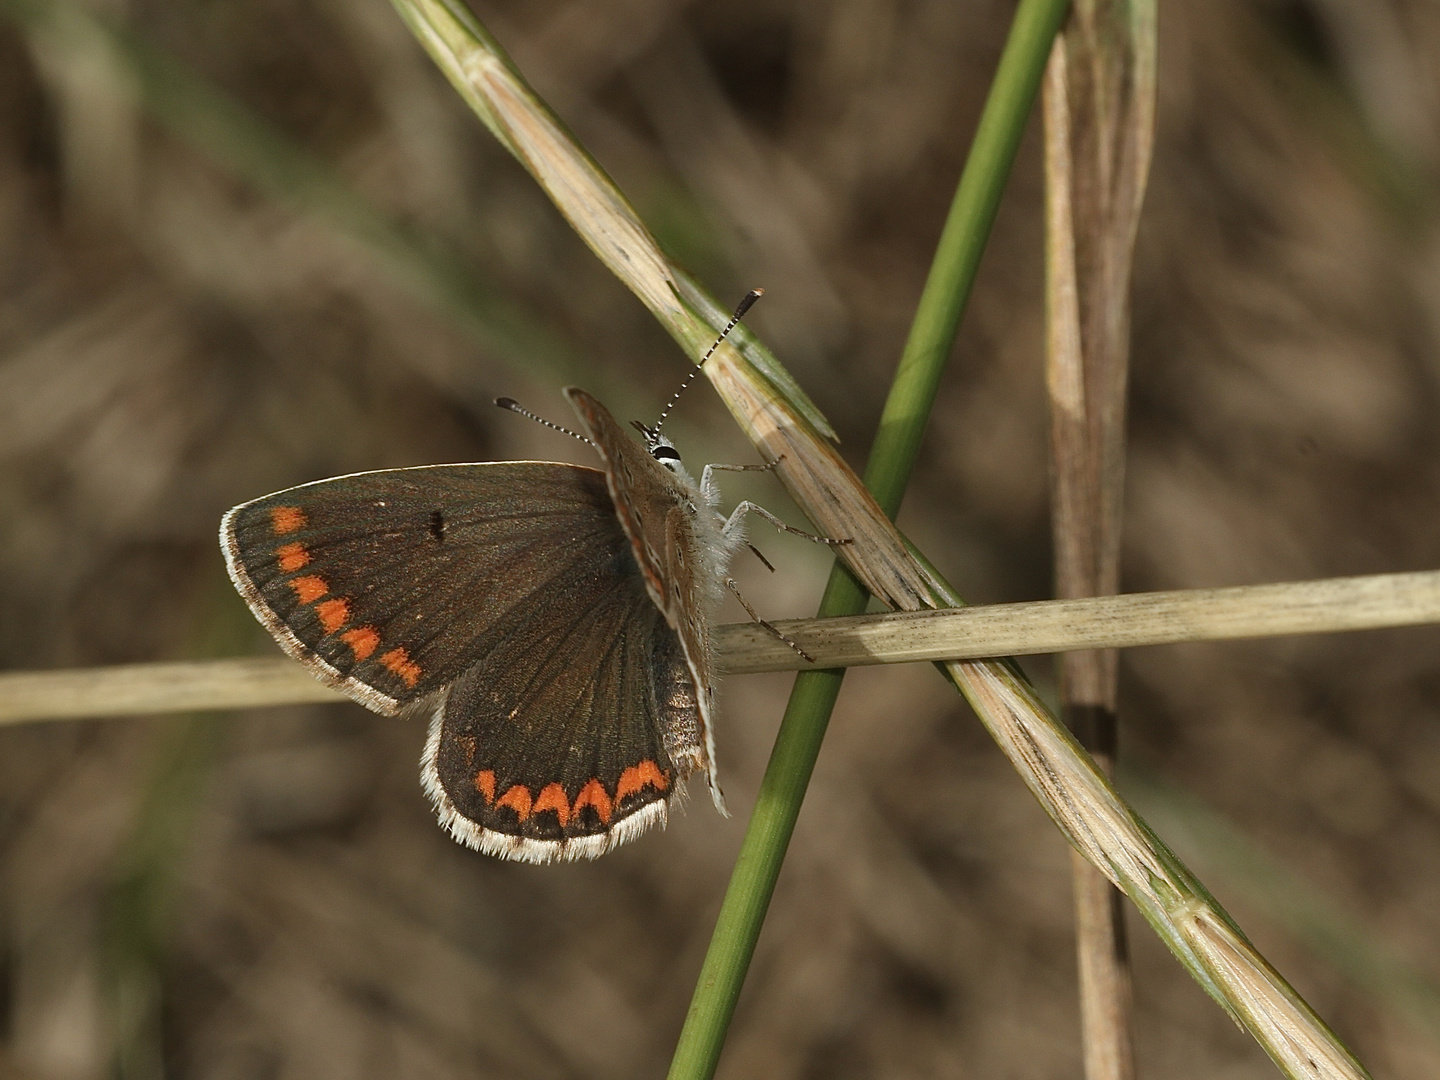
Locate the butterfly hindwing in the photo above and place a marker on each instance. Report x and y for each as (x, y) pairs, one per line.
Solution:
(513, 762)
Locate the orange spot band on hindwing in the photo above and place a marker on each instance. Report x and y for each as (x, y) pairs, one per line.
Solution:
(518, 799)
(553, 797)
(594, 794)
(309, 588)
(292, 557)
(287, 519)
(362, 641)
(485, 784)
(636, 777)
(399, 662)
(333, 614)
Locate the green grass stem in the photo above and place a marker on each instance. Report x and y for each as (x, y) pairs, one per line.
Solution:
(902, 425)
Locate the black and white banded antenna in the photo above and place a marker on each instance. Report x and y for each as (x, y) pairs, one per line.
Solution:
(745, 305)
(515, 407)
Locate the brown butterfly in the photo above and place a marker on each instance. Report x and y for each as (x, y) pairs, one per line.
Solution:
(553, 619)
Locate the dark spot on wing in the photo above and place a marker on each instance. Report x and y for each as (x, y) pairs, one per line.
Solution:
(437, 526)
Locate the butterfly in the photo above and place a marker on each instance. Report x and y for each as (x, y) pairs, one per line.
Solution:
(553, 619)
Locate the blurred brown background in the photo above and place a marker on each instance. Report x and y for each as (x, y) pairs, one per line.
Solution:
(245, 245)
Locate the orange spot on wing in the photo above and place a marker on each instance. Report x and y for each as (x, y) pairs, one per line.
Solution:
(485, 784)
(333, 614)
(362, 641)
(398, 661)
(518, 799)
(292, 557)
(309, 588)
(593, 794)
(637, 776)
(287, 519)
(552, 797)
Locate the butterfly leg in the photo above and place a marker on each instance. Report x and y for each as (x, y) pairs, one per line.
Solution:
(707, 485)
(707, 480)
(730, 584)
(761, 556)
(735, 523)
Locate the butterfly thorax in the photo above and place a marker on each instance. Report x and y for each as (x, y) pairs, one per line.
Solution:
(713, 547)
(702, 505)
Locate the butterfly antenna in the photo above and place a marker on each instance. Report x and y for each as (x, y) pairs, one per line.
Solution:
(515, 407)
(745, 305)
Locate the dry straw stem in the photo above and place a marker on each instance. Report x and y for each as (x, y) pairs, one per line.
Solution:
(1263, 999)
(1099, 112)
(1159, 618)
(785, 427)
(1290, 899)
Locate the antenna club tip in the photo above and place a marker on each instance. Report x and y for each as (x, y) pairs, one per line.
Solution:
(747, 303)
(507, 403)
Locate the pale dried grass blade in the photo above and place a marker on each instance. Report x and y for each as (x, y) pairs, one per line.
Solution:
(1264, 1000)
(1161, 618)
(136, 689)
(1099, 130)
(1291, 899)
(1325, 606)
(1099, 120)
(1098, 823)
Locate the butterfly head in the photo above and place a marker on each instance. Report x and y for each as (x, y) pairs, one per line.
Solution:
(660, 447)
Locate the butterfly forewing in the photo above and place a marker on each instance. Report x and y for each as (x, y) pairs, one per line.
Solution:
(380, 582)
